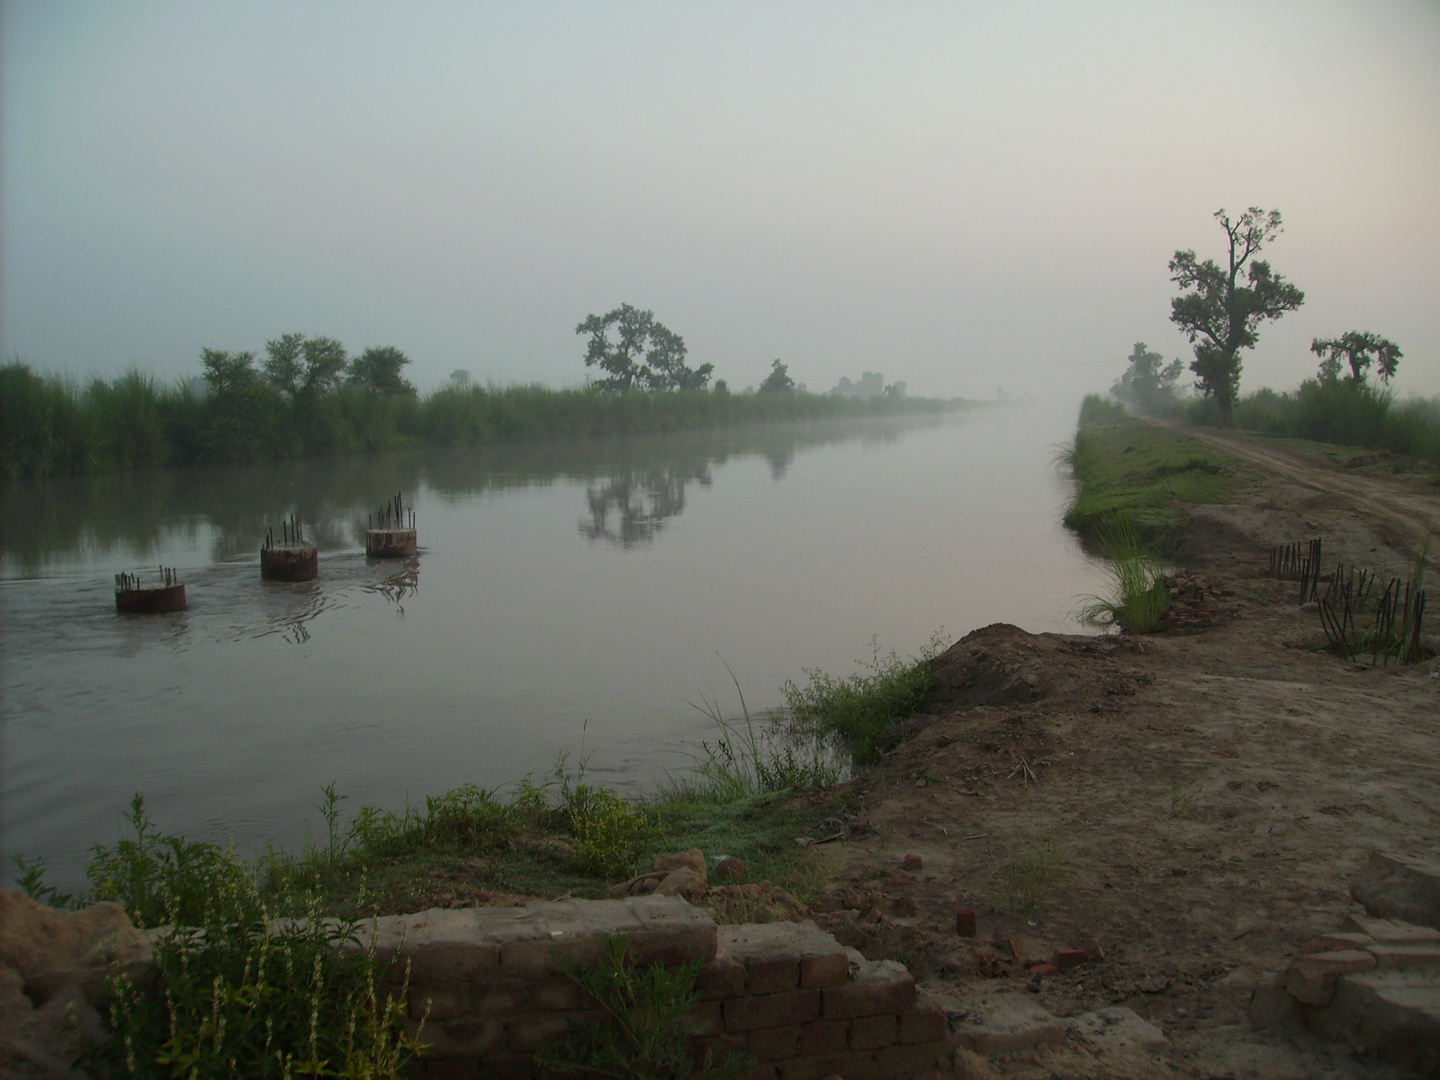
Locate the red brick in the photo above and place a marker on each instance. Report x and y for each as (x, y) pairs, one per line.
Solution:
(1407, 957)
(721, 978)
(825, 969)
(965, 922)
(452, 1069)
(912, 862)
(673, 947)
(555, 994)
(823, 1037)
(772, 976)
(763, 1072)
(507, 1067)
(874, 1032)
(448, 962)
(909, 1061)
(881, 987)
(773, 1010)
(1065, 959)
(924, 1023)
(903, 906)
(818, 1068)
(1311, 978)
(1335, 942)
(528, 1034)
(704, 1019)
(773, 1044)
(459, 1038)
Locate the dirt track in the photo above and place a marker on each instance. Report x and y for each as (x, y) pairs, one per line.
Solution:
(1195, 803)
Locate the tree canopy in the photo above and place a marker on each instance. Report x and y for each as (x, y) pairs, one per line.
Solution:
(642, 354)
(1220, 308)
(1145, 383)
(778, 380)
(304, 367)
(1359, 349)
(379, 368)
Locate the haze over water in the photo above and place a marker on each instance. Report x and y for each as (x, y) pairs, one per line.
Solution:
(541, 616)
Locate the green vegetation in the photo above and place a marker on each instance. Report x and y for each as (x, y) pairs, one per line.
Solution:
(864, 710)
(263, 969)
(1026, 883)
(1136, 478)
(1138, 596)
(53, 427)
(647, 1036)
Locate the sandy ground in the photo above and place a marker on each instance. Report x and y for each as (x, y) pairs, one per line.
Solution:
(1194, 803)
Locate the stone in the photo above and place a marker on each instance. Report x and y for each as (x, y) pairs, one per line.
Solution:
(1399, 887)
(1311, 978)
(1116, 1027)
(1270, 1003)
(879, 986)
(731, 870)
(55, 949)
(1336, 941)
(689, 860)
(912, 862)
(682, 881)
(1393, 1014)
(1001, 1023)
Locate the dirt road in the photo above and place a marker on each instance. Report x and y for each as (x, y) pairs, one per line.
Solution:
(1195, 804)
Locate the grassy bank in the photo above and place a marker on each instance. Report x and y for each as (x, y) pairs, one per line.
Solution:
(55, 427)
(1341, 412)
(1137, 479)
(244, 998)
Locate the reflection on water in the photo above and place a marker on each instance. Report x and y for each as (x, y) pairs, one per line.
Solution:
(633, 486)
(799, 543)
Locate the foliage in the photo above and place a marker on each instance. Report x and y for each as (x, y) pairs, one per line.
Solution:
(1144, 475)
(646, 1035)
(1027, 882)
(162, 880)
(864, 709)
(1359, 349)
(51, 427)
(304, 368)
(778, 380)
(1146, 384)
(1095, 409)
(379, 368)
(1138, 597)
(645, 353)
(1221, 313)
(241, 995)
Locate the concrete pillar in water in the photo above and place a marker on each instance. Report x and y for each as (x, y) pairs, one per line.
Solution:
(390, 543)
(391, 533)
(291, 560)
(161, 596)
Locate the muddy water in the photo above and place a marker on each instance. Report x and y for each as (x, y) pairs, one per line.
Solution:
(566, 599)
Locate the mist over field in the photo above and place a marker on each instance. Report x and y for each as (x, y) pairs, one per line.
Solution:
(963, 197)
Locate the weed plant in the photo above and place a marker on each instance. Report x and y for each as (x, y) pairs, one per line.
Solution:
(645, 1035)
(51, 426)
(865, 709)
(1138, 597)
(1026, 884)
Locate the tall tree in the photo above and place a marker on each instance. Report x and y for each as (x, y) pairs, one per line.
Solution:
(379, 368)
(1359, 349)
(304, 367)
(778, 379)
(642, 353)
(1221, 307)
(1145, 383)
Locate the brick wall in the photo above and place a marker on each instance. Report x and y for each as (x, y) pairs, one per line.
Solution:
(491, 985)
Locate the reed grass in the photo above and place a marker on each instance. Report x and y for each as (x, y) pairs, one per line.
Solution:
(50, 426)
(1138, 597)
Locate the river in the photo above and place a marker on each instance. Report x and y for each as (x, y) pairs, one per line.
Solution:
(567, 598)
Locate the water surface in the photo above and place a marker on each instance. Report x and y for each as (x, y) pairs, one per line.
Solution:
(567, 598)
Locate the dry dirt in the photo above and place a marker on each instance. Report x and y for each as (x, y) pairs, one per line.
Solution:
(1194, 804)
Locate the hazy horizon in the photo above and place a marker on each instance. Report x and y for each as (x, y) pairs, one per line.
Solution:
(963, 197)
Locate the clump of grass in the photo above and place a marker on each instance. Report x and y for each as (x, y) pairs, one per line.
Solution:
(866, 708)
(646, 1035)
(1182, 800)
(1026, 883)
(1138, 597)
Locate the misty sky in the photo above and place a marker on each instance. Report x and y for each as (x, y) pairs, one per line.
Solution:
(960, 195)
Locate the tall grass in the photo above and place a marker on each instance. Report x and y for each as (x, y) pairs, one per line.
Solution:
(1138, 597)
(51, 426)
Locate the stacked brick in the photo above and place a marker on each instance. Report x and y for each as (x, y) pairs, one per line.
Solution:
(1375, 983)
(490, 986)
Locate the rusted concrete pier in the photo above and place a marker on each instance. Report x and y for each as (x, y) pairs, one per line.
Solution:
(391, 533)
(137, 596)
(290, 560)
